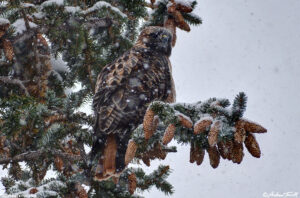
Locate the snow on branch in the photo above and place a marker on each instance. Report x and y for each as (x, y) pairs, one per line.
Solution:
(72, 9)
(4, 21)
(103, 4)
(53, 2)
(27, 5)
(20, 26)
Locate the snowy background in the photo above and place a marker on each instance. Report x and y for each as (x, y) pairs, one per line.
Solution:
(251, 46)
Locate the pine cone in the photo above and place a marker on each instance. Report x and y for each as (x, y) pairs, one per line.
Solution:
(228, 149)
(184, 8)
(148, 123)
(186, 122)
(213, 134)
(172, 8)
(214, 156)
(199, 155)
(169, 134)
(152, 154)
(161, 154)
(4, 27)
(59, 164)
(180, 23)
(202, 126)
(132, 183)
(240, 133)
(252, 145)
(192, 154)
(130, 152)
(8, 50)
(237, 153)
(221, 149)
(33, 191)
(146, 160)
(157, 152)
(1, 33)
(253, 127)
(80, 191)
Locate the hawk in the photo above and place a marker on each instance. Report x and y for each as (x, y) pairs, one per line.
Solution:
(124, 88)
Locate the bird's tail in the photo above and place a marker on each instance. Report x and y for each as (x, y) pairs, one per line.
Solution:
(112, 157)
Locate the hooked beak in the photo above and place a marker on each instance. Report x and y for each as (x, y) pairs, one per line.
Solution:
(167, 46)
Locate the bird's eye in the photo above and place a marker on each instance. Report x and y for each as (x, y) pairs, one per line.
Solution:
(164, 36)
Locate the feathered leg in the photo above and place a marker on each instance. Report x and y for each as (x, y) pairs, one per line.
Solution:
(109, 156)
(107, 147)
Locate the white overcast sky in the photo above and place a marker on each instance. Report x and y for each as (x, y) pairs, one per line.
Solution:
(251, 46)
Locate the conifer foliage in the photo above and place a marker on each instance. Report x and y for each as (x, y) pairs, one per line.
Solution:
(48, 47)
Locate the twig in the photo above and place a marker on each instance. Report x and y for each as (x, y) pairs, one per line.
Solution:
(7, 80)
(170, 150)
(25, 19)
(5, 64)
(88, 61)
(66, 156)
(21, 157)
(97, 23)
(36, 154)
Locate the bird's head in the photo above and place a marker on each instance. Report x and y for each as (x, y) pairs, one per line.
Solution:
(156, 38)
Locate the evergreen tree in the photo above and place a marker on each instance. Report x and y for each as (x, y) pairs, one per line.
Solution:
(49, 47)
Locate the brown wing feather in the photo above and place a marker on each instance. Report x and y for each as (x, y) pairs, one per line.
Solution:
(126, 86)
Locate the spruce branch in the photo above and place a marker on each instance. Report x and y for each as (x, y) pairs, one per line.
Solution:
(214, 124)
(239, 106)
(157, 178)
(8, 80)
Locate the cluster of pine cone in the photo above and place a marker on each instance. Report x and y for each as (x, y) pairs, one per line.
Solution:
(230, 148)
(150, 125)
